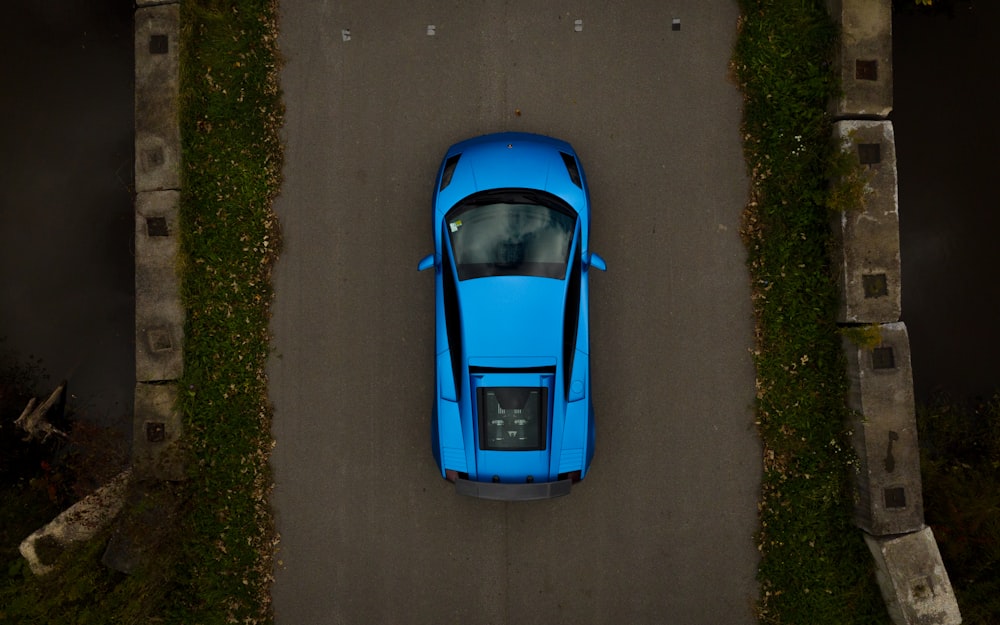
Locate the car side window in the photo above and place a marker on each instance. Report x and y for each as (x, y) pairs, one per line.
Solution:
(571, 319)
(452, 319)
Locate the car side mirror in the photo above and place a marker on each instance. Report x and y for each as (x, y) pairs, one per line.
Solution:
(426, 262)
(595, 261)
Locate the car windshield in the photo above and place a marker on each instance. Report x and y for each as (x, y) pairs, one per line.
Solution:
(513, 232)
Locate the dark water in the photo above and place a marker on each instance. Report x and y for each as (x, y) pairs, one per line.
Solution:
(66, 221)
(946, 105)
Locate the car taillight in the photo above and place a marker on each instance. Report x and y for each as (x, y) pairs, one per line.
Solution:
(451, 475)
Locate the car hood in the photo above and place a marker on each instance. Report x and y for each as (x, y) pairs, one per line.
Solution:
(514, 317)
(510, 160)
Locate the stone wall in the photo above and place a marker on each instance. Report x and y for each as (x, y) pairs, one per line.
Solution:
(889, 501)
(159, 315)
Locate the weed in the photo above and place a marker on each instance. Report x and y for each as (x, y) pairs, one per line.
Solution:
(849, 179)
(866, 336)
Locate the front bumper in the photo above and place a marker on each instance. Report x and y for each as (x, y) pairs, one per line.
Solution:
(513, 492)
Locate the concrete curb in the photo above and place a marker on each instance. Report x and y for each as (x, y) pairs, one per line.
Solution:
(889, 505)
(157, 132)
(159, 316)
(159, 313)
(157, 452)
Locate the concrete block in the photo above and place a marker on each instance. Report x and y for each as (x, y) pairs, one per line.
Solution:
(81, 521)
(866, 238)
(159, 316)
(889, 497)
(156, 433)
(913, 580)
(864, 59)
(157, 128)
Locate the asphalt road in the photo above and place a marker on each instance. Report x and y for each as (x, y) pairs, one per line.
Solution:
(661, 531)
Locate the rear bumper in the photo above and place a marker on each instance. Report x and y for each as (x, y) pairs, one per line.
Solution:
(513, 492)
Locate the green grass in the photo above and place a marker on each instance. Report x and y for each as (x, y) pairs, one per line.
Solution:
(814, 565)
(230, 117)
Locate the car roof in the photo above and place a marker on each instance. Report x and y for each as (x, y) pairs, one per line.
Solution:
(513, 317)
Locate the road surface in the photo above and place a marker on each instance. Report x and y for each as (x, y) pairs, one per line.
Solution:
(661, 531)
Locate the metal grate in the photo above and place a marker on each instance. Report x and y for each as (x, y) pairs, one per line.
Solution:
(874, 285)
(870, 153)
(883, 358)
(153, 157)
(866, 70)
(157, 227)
(156, 432)
(159, 340)
(895, 497)
(159, 44)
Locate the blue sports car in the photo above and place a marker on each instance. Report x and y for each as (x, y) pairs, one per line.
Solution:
(513, 417)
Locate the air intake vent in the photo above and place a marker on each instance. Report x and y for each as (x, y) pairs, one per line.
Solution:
(449, 171)
(571, 168)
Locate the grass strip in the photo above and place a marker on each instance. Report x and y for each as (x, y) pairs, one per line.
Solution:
(814, 565)
(231, 114)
